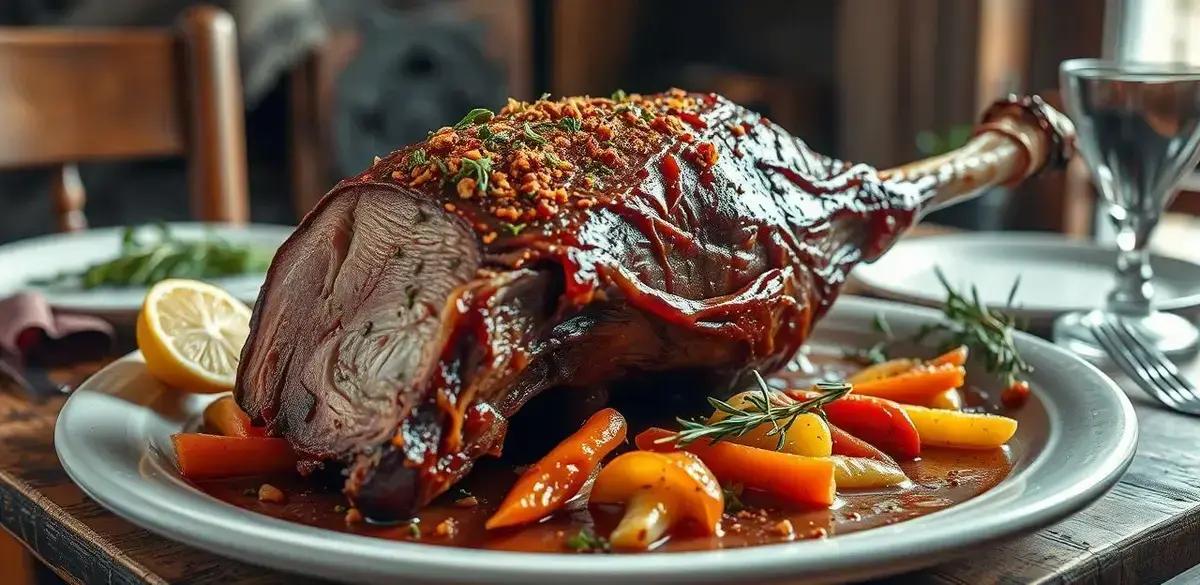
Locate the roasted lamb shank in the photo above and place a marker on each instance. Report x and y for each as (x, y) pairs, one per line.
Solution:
(571, 244)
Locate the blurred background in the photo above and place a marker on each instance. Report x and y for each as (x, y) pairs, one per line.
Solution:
(328, 84)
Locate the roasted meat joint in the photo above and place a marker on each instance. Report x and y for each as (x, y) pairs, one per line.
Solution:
(668, 240)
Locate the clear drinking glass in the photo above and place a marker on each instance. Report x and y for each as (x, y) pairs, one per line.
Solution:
(1138, 129)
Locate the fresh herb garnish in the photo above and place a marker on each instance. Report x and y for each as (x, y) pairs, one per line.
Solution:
(513, 228)
(475, 169)
(414, 530)
(553, 160)
(987, 332)
(416, 158)
(148, 255)
(763, 410)
(586, 540)
(476, 116)
(570, 124)
(443, 171)
(545, 95)
(733, 498)
(533, 136)
(619, 96)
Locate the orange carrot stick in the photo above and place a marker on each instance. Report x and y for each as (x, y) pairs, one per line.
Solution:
(557, 477)
(956, 356)
(918, 385)
(796, 478)
(224, 417)
(203, 456)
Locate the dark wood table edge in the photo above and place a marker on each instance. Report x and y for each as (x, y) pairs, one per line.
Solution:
(56, 539)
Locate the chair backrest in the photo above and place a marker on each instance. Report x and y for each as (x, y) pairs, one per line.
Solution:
(71, 95)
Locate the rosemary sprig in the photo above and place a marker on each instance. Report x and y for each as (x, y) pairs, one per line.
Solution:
(586, 540)
(987, 332)
(476, 116)
(763, 410)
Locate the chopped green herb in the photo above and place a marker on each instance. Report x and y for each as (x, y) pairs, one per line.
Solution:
(414, 530)
(475, 169)
(532, 136)
(553, 160)
(443, 171)
(570, 124)
(545, 95)
(763, 410)
(586, 540)
(416, 158)
(513, 228)
(476, 116)
(619, 96)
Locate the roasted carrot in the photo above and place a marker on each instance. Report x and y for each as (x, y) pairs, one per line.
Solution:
(557, 477)
(202, 456)
(796, 478)
(957, 356)
(917, 385)
(225, 417)
(851, 446)
(880, 422)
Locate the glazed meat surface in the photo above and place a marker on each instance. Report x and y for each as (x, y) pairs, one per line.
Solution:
(570, 244)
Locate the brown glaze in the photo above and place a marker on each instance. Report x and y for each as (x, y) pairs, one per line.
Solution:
(675, 237)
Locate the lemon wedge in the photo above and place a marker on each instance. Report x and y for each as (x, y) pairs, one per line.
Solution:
(191, 334)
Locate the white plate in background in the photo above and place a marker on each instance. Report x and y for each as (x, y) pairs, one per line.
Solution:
(1058, 275)
(46, 256)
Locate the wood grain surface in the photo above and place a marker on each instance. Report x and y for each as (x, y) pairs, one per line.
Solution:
(1146, 530)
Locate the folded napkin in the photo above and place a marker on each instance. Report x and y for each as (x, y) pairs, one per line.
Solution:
(32, 337)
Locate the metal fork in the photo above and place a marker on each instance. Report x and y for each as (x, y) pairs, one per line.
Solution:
(1152, 371)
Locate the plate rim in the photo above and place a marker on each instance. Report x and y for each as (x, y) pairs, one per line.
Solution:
(320, 552)
(1183, 303)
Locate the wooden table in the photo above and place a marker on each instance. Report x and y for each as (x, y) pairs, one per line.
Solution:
(1145, 530)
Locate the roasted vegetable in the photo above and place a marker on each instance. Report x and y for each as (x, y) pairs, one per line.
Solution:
(879, 422)
(557, 477)
(807, 434)
(964, 430)
(861, 472)
(224, 417)
(795, 478)
(660, 491)
(202, 456)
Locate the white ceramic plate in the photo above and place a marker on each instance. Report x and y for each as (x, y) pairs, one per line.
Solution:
(46, 256)
(1057, 275)
(1076, 438)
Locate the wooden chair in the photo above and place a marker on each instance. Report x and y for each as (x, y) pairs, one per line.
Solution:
(72, 95)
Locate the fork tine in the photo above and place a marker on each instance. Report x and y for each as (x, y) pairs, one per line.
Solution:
(1147, 362)
(1165, 368)
(1124, 358)
(1165, 365)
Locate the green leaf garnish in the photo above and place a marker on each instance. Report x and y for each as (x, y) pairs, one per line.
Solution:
(476, 116)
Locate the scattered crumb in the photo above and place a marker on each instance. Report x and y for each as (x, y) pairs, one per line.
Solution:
(340, 509)
(467, 502)
(446, 528)
(783, 528)
(818, 533)
(353, 516)
(250, 492)
(270, 493)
